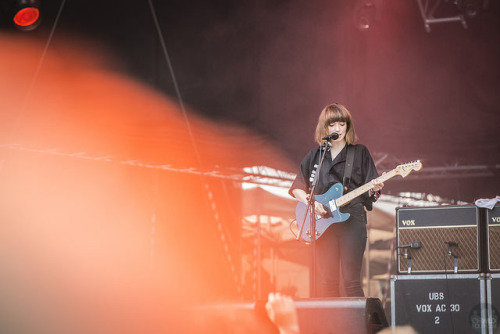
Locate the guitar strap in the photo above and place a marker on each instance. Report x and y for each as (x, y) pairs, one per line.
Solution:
(348, 166)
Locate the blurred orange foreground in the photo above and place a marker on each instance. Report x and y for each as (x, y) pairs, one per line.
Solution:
(102, 229)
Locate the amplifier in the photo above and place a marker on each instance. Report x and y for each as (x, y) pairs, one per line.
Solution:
(493, 238)
(440, 239)
(444, 303)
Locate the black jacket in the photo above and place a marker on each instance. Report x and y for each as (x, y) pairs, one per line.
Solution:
(332, 172)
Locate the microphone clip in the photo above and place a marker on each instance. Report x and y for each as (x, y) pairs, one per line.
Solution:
(326, 144)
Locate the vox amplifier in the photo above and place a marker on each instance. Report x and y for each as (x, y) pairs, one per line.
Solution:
(440, 239)
(493, 238)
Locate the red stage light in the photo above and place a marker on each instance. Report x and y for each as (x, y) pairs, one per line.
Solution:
(27, 17)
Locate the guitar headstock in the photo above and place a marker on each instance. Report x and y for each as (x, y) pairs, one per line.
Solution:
(407, 168)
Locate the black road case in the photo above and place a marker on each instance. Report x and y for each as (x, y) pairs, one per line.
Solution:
(443, 303)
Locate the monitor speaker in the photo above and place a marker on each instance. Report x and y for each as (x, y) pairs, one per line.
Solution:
(341, 315)
(317, 315)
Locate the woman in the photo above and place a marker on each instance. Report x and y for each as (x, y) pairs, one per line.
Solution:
(339, 251)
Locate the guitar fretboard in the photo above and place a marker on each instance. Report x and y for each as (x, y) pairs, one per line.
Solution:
(343, 200)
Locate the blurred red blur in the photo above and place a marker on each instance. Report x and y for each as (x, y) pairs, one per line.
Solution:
(26, 16)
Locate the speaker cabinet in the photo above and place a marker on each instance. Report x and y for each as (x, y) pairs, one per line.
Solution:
(441, 303)
(316, 316)
(441, 239)
(493, 238)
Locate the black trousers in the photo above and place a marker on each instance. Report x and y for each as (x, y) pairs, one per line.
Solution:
(339, 255)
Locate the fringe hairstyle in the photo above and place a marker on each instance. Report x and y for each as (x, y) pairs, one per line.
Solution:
(335, 113)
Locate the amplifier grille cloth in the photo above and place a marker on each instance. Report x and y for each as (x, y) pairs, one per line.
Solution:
(433, 254)
(494, 247)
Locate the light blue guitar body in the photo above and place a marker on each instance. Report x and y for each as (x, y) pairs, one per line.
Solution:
(332, 199)
(328, 199)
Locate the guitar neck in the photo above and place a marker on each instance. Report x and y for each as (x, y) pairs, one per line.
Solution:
(343, 200)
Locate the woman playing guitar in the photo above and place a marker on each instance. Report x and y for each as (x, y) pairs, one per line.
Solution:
(340, 248)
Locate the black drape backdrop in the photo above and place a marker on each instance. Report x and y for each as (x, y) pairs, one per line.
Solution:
(272, 66)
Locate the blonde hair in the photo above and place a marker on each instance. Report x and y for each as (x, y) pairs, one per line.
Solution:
(335, 113)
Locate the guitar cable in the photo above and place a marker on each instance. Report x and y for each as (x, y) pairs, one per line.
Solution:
(447, 252)
(290, 227)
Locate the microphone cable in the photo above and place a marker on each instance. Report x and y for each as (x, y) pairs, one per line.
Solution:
(447, 252)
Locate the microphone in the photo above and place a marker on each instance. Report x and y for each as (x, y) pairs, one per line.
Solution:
(333, 136)
(414, 244)
(451, 244)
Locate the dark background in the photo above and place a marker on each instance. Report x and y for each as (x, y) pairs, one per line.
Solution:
(273, 65)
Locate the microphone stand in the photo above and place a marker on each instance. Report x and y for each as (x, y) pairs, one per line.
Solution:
(312, 216)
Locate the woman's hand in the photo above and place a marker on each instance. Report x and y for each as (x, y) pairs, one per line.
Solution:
(376, 186)
(319, 209)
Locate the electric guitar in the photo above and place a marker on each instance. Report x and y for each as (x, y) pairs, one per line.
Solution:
(332, 200)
